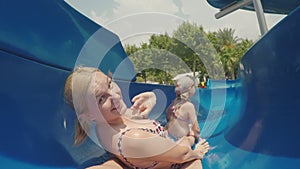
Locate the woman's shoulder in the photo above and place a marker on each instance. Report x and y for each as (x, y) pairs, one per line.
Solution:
(187, 104)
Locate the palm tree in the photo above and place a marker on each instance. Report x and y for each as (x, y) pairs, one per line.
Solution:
(226, 38)
(227, 43)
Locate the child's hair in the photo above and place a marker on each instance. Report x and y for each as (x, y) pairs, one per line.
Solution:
(183, 85)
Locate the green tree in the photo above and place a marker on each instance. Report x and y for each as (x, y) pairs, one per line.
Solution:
(140, 59)
(197, 50)
(226, 38)
(230, 49)
(214, 54)
(241, 48)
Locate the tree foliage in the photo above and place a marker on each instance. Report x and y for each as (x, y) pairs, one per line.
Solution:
(189, 49)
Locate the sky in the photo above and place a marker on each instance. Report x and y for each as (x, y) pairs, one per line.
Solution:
(135, 20)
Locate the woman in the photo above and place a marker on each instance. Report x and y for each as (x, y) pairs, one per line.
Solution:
(137, 143)
(181, 114)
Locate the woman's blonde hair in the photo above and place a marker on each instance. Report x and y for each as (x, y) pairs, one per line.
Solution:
(75, 92)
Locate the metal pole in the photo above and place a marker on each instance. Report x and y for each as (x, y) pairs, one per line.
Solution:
(232, 7)
(260, 16)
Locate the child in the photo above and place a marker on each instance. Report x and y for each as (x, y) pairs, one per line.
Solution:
(181, 115)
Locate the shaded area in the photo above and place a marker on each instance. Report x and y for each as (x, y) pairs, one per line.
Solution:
(39, 45)
(51, 32)
(31, 104)
(270, 73)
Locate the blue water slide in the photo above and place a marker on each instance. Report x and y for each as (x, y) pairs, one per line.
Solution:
(266, 132)
(54, 34)
(41, 42)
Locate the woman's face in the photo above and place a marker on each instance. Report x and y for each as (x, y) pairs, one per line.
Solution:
(108, 97)
(192, 91)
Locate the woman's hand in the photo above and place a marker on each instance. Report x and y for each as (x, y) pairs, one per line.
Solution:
(143, 103)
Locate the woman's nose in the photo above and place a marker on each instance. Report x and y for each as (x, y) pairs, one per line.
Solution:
(114, 94)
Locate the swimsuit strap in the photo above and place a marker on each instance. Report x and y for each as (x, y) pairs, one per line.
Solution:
(175, 108)
(176, 166)
(158, 130)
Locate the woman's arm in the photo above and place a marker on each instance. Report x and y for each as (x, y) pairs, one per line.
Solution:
(168, 114)
(196, 129)
(192, 117)
(109, 164)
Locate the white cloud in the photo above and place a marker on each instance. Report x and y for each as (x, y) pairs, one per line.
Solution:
(244, 22)
(136, 20)
(137, 6)
(134, 17)
(98, 19)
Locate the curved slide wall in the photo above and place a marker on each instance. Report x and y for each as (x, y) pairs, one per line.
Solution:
(270, 73)
(267, 132)
(39, 45)
(40, 42)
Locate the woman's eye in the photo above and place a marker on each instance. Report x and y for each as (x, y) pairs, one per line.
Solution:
(110, 85)
(102, 99)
